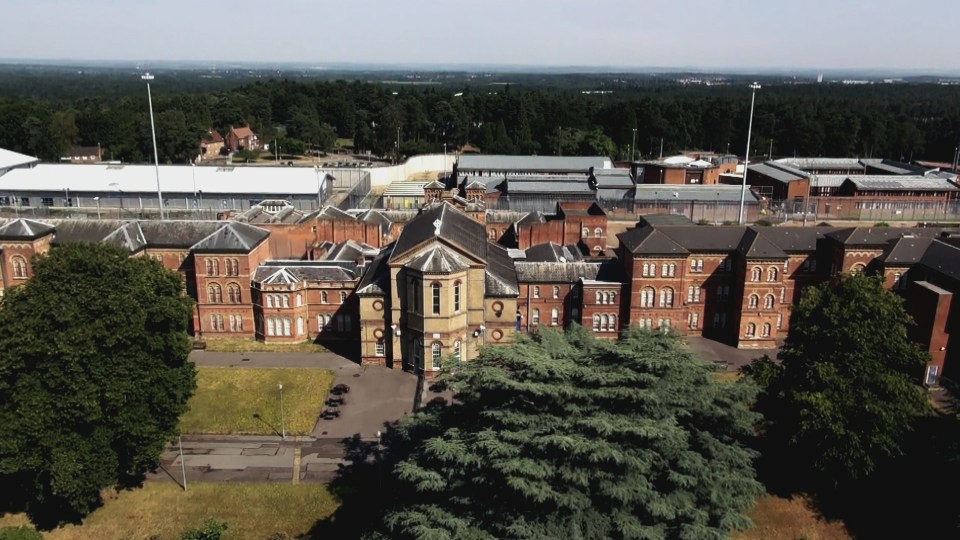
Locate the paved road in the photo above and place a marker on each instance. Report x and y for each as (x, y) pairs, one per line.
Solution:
(714, 351)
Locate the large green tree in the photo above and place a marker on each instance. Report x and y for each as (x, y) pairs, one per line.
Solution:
(846, 391)
(566, 436)
(93, 376)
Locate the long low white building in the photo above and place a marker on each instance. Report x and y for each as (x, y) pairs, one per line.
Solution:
(183, 186)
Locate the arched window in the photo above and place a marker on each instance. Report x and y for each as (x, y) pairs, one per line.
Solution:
(19, 267)
(753, 302)
(585, 232)
(779, 321)
(436, 298)
(323, 297)
(598, 232)
(456, 296)
(556, 292)
(646, 269)
(456, 350)
(772, 274)
(233, 293)
(604, 321)
(648, 297)
(286, 327)
(554, 317)
(286, 300)
(299, 299)
(214, 294)
(208, 266)
(765, 332)
(613, 298)
(216, 267)
(269, 298)
(343, 297)
(599, 296)
(755, 274)
(653, 269)
(768, 301)
(751, 330)
(271, 331)
(299, 326)
(596, 323)
(436, 351)
(858, 268)
(666, 297)
(536, 316)
(536, 292)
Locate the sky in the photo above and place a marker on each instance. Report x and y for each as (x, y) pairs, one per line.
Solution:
(742, 34)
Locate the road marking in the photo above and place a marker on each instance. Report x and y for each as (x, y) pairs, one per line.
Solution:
(296, 464)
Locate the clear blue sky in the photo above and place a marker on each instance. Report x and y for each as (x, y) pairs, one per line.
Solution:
(806, 34)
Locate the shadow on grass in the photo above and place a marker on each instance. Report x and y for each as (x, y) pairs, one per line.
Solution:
(272, 427)
(365, 485)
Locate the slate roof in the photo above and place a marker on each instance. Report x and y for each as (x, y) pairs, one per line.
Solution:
(504, 216)
(650, 241)
(877, 236)
(327, 212)
(754, 245)
(476, 184)
(435, 185)
(129, 236)
(263, 213)
(901, 183)
(780, 172)
(552, 252)
(24, 229)
(234, 237)
(795, 239)
(501, 277)
(706, 239)
(613, 178)
(942, 257)
(556, 272)
(455, 227)
(298, 273)
(686, 193)
(348, 251)
(547, 185)
(438, 260)
(532, 218)
(906, 251)
(377, 217)
(664, 220)
(376, 279)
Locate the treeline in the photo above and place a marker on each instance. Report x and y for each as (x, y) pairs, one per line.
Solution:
(895, 121)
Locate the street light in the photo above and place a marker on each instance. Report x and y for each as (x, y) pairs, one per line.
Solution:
(153, 131)
(98, 206)
(283, 429)
(633, 145)
(746, 157)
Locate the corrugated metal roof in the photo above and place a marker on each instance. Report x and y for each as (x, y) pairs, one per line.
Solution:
(405, 189)
(807, 163)
(778, 173)
(532, 163)
(705, 193)
(902, 183)
(174, 179)
(10, 160)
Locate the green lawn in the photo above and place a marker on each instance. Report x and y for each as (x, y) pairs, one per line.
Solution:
(232, 400)
(241, 345)
(163, 509)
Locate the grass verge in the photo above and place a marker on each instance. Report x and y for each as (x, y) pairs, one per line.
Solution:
(240, 345)
(247, 401)
(163, 510)
(777, 518)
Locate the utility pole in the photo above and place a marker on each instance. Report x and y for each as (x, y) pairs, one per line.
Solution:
(153, 131)
(633, 145)
(661, 147)
(746, 158)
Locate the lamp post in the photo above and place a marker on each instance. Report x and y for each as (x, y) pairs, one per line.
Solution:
(746, 157)
(98, 206)
(153, 131)
(283, 429)
(183, 466)
(633, 145)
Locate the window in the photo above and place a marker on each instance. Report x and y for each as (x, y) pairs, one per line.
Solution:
(233, 293)
(604, 320)
(214, 294)
(286, 327)
(613, 323)
(536, 316)
(46, 201)
(456, 297)
(647, 297)
(772, 274)
(596, 323)
(779, 321)
(753, 302)
(585, 232)
(598, 232)
(323, 297)
(554, 317)
(783, 295)
(492, 233)
(236, 323)
(536, 292)
(765, 332)
(343, 297)
(216, 323)
(646, 324)
(650, 270)
(646, 269)
(436, 350)
(599, 297)
(751, 330)
(755, 274)
(556, 292)
(456, 351)
(270, 327)
(436, 298)
(214, 267)
(768, 301)
(693, 294)
(666, 297)
(19, 267)
(286, 300)
(380, 348)
(858, 268)
(613, 298)
(322, 322)
(299, 299)
(897, 281)
(338, 319)
(664, 324)
(694, 321)
(269, 300)
(299, 326)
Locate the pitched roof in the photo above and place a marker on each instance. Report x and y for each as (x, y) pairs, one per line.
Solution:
(556, 272)
(444, 221)
(376, 279)
(754, 245)
(906, 250)
(213, 136)
(901, 183)
(234, 237)
(501, 277)
(243, 132)
(877, 236)
(686, 193)
(780, 172)
(795, 239)
(552, 252)
(327, 212)
(129, 236)
(664, 220)
(650, 241)
(476, 184)
(438, 260)
(706, 239)
(25, 229)
(435, 185)
(296, 273)
(942, 257)
(348, 251)
(10, 159)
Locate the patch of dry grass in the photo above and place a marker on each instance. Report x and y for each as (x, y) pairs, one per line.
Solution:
(246, 401)
(776, 518)
(163, 509)
(241, 345)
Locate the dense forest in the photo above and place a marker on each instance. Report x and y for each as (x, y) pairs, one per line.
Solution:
(47, 114)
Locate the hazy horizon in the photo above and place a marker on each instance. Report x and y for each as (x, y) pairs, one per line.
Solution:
(744, 35)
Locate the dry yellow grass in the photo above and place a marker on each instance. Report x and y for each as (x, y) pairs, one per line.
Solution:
(247, 400)
(776, 518)
(241, 345)
(250, 511)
